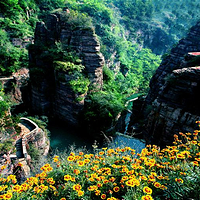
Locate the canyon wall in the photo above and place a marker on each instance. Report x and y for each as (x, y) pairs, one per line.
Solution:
(174, 91)
(51, 91)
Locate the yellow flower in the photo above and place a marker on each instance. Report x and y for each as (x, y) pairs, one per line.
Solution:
(133, 182)
(63, 199)
(179, 180)
(103, 196)
(80, 193)
(194, 142)
(70, 158)
(20, 164)
(81, 163)
(147, 197)
(157, 185)
(198, 159)
(101, 152)
(8, 195)
(76, 171)
(55, 159)
(116, 189)
(92, 187)
(16, 188)
(97, 192)
(67, 177)
(163, 187)
(147, 190)
(3, 167)
(195, 163)
(180, 156)
(87, 160)
(143, 178)
(77, 187)
(72, 154)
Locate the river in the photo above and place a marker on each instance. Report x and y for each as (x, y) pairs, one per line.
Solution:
(63, 137)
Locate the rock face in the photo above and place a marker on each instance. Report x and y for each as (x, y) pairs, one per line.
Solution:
(173, 95)
(51, 94)
(16, 84)
(173, 61)
(82, 40)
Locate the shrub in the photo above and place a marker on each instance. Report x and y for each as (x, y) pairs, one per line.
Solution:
(67, 66)
(34, 153)
(80, 84)
(6, 146)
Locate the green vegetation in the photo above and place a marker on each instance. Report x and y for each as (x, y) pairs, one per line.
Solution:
(5, 118)
(76, 19)
(34, 152)
(101, 109)
(68, 67)
(11, 57)
(6, 146)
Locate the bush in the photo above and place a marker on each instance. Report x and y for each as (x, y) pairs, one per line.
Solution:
(101, 109)
(77, 19)
(34, 153)
(68, 67)
(80, 84)
(6, 146)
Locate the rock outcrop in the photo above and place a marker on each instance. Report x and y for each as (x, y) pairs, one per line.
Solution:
(51, 93)
(173, 95)
(173, 61)
(16, 84)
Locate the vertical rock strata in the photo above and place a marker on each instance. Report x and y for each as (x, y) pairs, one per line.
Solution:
(174, 92)
(51, 94)
(173, 61)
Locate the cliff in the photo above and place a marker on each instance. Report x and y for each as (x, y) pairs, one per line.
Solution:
(173, 95)
(191, 43)
(51, 90)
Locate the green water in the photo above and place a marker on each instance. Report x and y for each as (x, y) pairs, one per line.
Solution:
(63, 136)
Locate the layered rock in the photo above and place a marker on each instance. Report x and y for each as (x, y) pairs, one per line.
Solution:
(82, 40)
(52, 94)
(173, 96)
(176, 109)
(173, 61)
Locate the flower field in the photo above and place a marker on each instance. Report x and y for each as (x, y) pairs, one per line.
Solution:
(120, 173)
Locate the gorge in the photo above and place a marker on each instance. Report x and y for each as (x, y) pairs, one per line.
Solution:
(169, 107)
(78, 118)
